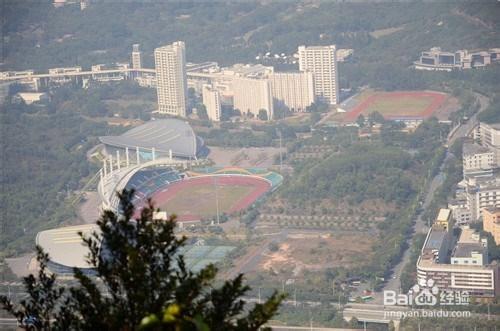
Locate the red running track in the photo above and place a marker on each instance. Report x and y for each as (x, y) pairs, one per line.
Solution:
(260, 187)
(437, 100)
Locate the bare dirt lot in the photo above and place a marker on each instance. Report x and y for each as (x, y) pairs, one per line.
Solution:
(316, 251)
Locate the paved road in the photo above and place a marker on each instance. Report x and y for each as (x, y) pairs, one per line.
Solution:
(466, 128)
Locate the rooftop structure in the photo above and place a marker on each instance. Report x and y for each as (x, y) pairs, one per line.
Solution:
(471, 249)
(443, 220)
(66, 249)
(158, 138)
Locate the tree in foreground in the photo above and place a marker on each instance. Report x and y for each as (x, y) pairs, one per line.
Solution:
(142, 283)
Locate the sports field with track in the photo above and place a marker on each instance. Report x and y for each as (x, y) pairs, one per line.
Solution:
(396, 105)
(199, 197)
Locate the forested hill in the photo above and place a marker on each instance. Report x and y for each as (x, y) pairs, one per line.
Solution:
(36, 35)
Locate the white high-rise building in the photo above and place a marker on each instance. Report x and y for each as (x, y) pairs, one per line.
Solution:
(211, 100)
(253, 95)
(136, 57)
(295, 90)
(171, 82)
(321, 61)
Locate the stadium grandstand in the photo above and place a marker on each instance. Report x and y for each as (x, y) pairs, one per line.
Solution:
(66, 250)
(157, 139)
(148, 181)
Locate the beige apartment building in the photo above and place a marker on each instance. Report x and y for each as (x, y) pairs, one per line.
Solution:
(491, 222)
(252, 95)
(171, 82)
(322, 63)
(294, 90)
(478, 159)
(211, 100)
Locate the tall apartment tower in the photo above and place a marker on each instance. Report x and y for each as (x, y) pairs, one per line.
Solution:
(322, 62)
(211, 100)
(171, 82)
(136, 57)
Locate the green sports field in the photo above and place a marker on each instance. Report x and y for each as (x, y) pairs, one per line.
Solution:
(200, 200)
(409, 106)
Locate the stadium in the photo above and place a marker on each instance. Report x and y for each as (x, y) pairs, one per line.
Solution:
(192, 195)
(171, 138)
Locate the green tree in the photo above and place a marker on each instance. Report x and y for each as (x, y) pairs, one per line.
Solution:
(144, 284)
(361, 120)
(263, 115)
(201, 110)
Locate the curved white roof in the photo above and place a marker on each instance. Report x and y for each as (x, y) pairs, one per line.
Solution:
(64, 245)
(162, 135)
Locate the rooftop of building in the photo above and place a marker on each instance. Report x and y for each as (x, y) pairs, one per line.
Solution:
(472, 149)
(493, 209)
(435, 239)
(443, 215)
(170, 46)
(467, 249)
(65, 246)
(469, 235)
(317, 47)
(163, 135)
(474, 268)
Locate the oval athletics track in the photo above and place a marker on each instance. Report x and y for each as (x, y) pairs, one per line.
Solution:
(256, 188)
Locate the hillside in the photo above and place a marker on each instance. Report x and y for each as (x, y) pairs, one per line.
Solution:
(230, 32)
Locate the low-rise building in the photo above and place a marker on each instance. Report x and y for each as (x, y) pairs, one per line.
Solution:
(470, 249)
(478, 159)
(482, 193)
(437, 59)
(460, 212)
(109, 72)
(491, 222)
(465, 269)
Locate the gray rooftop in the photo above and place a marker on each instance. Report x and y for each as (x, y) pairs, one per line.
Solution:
(163, 135)
(466, 249)
(65, 246)
(435, 240)
(471, 149)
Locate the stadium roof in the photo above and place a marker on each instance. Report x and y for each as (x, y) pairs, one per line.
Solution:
(162, 135)
(64, 245)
